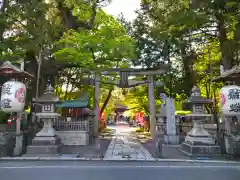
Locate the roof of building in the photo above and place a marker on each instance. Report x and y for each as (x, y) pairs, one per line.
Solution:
(81, 102)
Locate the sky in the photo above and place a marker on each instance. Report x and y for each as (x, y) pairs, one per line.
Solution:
(127, 7)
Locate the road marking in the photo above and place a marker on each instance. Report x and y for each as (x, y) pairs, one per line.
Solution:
(120, 167)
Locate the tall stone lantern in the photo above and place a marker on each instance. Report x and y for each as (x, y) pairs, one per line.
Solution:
(46, 141)
(198, 141)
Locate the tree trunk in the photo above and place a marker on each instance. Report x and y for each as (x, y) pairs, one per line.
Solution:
(225, 46)
(189, 74)
(71, 22)
(2, 12)
(106, 100)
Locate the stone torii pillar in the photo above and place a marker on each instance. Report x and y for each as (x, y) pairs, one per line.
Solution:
(96, 104)
(152, 106)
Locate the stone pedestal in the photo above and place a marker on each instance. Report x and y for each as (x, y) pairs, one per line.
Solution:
(199, 142)
(46, 141)
(18, 145)
(171, 139)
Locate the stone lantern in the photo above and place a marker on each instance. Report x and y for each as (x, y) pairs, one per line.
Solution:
(46, 141)
(198, 141)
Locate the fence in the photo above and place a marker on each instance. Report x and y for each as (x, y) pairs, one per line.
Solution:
(82, 125)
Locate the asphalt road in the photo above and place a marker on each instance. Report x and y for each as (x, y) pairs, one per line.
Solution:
(100, 170)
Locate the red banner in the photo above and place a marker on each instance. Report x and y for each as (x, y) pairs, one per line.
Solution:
(139, 117)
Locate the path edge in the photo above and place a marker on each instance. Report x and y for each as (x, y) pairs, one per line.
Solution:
(119, 160)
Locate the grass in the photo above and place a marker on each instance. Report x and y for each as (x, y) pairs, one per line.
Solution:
(138, 130)
(106, 130)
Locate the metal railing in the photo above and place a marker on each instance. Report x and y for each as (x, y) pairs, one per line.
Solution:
(82, 125)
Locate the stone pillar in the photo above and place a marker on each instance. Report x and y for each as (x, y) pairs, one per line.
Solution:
(152, 106)
(228, 124)
(96, 105)
(171, 136)
(19, 136)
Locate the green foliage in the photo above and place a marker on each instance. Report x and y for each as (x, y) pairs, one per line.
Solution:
(107, 45)
(4, 117)
(195, 37)
(137, 99)
(138, 130)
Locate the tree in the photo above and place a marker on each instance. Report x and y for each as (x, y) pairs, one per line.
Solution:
(31, 26)
(106, 45)
(177, 31)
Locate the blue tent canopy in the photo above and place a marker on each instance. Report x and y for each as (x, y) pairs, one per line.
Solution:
(81, 102)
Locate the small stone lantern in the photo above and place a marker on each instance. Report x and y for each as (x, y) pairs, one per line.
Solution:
(46, 141)
(198, 141)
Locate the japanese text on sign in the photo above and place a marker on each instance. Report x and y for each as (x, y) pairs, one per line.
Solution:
(235, 107)
(233, 94)
(6, 89)
(6, 103)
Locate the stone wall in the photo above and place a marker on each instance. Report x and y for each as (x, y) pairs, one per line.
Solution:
(232, 144)
(69, 138)
(7, 141)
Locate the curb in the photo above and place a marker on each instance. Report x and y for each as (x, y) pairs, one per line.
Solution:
(116, 160)
(47, 159)
(197, 161)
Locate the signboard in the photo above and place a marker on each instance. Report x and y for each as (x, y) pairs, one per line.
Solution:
(230, 100)
(13, 96)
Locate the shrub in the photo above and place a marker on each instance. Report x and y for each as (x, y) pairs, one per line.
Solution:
(139, 130)
(4, 117)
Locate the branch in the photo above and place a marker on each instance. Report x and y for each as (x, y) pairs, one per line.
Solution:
(93, 55)
(72, 22)
(206, 33)
(15, 19)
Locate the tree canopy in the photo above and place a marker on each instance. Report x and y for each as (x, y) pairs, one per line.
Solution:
(194, 37)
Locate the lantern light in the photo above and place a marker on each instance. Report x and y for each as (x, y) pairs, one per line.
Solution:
(230, 100)
(13, 96)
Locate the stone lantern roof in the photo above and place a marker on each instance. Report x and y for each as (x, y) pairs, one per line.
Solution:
(47, 97)
(196, 97)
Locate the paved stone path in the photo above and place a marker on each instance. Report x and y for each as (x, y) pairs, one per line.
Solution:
(124, 146)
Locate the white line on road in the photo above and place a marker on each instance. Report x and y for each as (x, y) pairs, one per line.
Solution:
(120, 167)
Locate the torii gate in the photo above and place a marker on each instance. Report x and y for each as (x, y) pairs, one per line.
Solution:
(124, 82)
